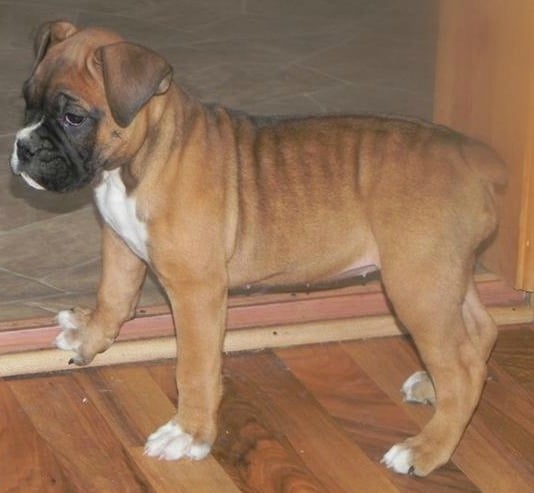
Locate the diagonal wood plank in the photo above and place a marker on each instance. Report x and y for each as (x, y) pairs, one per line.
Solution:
(509, 398)
(338, 463)
(27, 463)
(133, 405)
(163, 373)
(253, 451)
(258, 457)
(513, 352)
(486, 463)
(360, 407)
(506, 418)
(77, 435)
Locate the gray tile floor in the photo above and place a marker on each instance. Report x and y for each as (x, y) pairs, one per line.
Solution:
(262, 56)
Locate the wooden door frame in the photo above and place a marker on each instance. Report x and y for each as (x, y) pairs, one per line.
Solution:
(484, 87)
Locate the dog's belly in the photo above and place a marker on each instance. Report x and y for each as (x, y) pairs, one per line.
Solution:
(365, 264)
(358, 269)
(119, 212)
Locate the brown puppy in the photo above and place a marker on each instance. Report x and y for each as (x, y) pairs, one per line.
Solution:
(210, 199)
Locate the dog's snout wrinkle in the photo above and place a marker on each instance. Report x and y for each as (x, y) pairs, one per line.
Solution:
(24, 152)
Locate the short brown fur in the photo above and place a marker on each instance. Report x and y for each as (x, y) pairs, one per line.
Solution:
(230, 200)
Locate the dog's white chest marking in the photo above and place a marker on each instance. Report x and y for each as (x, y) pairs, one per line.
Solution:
(119, 212)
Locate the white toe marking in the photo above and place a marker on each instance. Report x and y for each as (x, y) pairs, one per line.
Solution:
(409, 388)
(62, 342)
(199, 451)
(411, 382)
(169, 442)
(398, 458)
(67, 322)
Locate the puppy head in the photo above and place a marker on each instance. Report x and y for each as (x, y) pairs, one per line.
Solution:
(86, 89)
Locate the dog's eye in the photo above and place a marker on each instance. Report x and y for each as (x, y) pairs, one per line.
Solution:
(73, 120)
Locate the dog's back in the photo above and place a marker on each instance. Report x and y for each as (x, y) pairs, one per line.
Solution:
(330, 180)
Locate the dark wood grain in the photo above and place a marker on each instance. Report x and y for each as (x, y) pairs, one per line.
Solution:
(252, 448)
(134, 406)
(310, 419)
(254, 453)
(338, 463)
(488, 463)
(513, 352)
(27, 463)
(373, 421)
(79, 437)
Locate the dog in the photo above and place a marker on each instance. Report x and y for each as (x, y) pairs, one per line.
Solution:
(212, 199)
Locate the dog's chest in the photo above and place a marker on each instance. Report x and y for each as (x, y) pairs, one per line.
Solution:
(119, 212)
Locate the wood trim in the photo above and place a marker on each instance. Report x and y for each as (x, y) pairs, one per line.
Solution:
(254, 322)
(525, 268)
(156, 348)
(252, 311)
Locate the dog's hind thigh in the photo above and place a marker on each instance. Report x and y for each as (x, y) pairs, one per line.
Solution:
(428, 295)
(482, 332)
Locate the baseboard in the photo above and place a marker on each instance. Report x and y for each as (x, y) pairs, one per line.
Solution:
(254, 322)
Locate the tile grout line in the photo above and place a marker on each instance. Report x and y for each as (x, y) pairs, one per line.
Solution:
(36, 299)
(33, 279)
(54, 217)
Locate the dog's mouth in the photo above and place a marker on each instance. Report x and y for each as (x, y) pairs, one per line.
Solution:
(30, 181)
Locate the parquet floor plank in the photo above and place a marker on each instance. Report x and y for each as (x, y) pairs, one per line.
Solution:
(485, 460)
(87, 450)
(306, 419)
(364, 411)
(513, 352)
(133, 405)
(250, 447)
(163, 373)
(27, 463)
(324, 448)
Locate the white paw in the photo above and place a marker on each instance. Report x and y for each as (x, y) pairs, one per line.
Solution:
(169, 442)
(399, 458)
(65, 339)
(419, 388)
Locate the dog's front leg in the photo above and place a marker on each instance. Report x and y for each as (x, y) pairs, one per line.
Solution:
(199, 311)
(88, 332)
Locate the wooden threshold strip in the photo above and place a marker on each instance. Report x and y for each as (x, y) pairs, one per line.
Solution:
(254, 322)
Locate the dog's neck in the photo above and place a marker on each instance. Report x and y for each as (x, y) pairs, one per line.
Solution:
(172, 111)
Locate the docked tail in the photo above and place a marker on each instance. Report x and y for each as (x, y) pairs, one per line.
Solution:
(486, 162)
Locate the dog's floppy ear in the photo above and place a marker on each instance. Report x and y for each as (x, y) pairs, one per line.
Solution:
(132, 75)
(48, 35)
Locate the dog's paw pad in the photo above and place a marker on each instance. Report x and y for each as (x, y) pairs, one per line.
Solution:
(400, 459)
(67, 339)
(419, 388)
(169, 442)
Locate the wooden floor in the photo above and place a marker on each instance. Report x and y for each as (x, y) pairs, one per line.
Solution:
(309, 419)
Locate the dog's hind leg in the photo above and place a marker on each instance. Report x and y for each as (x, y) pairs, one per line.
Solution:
(428, 295)
(418, 388)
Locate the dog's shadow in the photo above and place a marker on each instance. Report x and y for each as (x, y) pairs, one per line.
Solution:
(56, 203)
